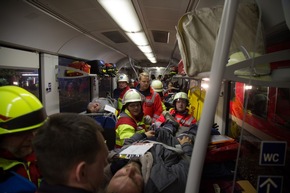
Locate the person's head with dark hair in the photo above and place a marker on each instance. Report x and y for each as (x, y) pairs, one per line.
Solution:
(159, 77)
(180, 101)
(71, 151)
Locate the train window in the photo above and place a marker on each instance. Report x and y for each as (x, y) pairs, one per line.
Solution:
(25, 78)
(282, 114)
(105, 86)
(75, 92)
(257, 103)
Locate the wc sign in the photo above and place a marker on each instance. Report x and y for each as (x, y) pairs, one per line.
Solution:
(273, 153)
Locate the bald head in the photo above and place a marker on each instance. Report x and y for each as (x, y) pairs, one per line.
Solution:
(127, 180)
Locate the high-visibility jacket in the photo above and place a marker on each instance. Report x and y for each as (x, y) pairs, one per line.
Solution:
(26, 168)
(118, 95)
(163, 106)
(152, 105)
(127, 126)
(184, 119)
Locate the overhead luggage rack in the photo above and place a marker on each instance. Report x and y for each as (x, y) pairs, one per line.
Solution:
(277, 78)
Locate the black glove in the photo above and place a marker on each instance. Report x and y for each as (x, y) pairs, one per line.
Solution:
(214, 129)
(215, 125)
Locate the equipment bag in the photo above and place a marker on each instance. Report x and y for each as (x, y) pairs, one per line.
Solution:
(80, 65)
(97, 67)
(197, 31)
(111, 69)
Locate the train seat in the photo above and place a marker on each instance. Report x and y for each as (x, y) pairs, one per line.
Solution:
(108, 122)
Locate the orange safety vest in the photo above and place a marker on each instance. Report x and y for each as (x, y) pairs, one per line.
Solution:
(184, 119)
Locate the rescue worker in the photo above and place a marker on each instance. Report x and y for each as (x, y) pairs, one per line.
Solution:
(152, 105)
(179, 113)
(157, 86)
(21, 114)
(122, 87)
(131, 119)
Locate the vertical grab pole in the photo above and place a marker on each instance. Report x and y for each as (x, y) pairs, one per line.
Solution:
(220, 58)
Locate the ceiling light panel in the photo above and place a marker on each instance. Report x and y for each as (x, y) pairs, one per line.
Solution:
(138, 38)
(123, 13)
(145, 48)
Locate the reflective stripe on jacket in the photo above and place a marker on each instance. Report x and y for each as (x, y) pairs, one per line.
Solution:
(27, 168)
(184, 119)
(126, 127)
(152, 105)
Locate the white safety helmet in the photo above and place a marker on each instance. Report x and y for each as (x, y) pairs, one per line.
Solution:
(180, 95)
(123, 78)
(132, 95)
(157, 85)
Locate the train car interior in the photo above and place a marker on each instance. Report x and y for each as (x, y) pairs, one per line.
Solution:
(232, 58)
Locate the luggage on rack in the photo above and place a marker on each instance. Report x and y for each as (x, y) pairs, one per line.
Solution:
(111, 69)
(97, 67)
(102, 69)
(197, 31)
(80, 65)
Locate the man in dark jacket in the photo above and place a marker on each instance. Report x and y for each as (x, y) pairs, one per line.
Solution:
(163, 168)
(71, 154)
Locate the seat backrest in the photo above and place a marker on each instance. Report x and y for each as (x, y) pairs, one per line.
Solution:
(108, 122)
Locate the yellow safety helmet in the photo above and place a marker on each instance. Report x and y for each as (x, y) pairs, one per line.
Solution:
(123, 78)
(157, 85)
(19, 110)
(132, 95)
